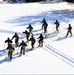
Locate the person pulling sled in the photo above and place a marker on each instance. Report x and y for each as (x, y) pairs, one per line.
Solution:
(69, 30)
(57, 25)
(44, 25)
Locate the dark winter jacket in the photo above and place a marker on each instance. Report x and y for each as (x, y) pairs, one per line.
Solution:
(57, 23)
(27, 33)
(8, 41)
(30, 27)
(11, 48)
(15, 36)
(44, 23)
(41, 37)
(32, 40)
(23, 44)
(69, 28)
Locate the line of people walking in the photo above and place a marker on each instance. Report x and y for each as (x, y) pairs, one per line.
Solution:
(23, 44)
(29, 33)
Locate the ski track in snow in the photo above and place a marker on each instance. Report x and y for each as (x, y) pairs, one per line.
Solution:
(69, 60)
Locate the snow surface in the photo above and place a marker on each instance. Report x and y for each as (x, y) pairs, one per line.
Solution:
(57, 54)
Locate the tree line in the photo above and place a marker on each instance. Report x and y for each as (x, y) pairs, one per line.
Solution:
(71, 1)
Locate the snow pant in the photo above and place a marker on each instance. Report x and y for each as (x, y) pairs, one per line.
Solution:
(32, 44)
(42, 26)
(22, 51)
(27, 37)
(57, 28)
(45, 29)
(16, 42)
(30, 30)
(40, 43)
(69, 31)
(8, 46)
(10, 53)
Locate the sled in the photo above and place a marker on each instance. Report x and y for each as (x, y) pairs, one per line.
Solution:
(50, 35)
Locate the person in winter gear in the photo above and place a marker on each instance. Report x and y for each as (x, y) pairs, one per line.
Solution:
(44, 25)
(32, 39)
(30, 28)
(69, 30)
(23, 46)
(9, 42)
(43, 21)
(40, 40)
(57, 25)
(10, 52)
(27, 34)
(16, 39)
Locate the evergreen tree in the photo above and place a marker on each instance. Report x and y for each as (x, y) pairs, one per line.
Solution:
(71, 1)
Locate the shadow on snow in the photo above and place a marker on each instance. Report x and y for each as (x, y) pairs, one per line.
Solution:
(12, 32)
(2, 52)
(15, 55)
(6, 59)
(60, 38)
(28, 50)
(61, 15)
